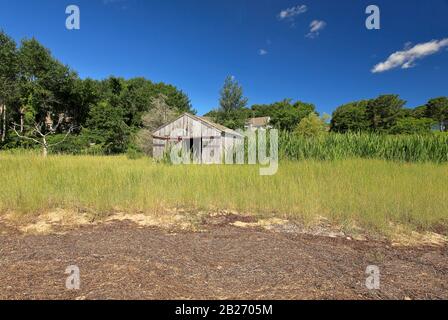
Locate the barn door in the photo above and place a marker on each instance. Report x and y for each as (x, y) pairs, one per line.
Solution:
(194, 149)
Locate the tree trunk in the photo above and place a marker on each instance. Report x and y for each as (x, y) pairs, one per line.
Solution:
(44, 148)
(1, 121)
(4, 123)
(22, 119)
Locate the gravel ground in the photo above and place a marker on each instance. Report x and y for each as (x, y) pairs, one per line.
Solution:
(121, 260)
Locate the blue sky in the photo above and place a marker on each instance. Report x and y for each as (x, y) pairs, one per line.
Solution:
(195, 44)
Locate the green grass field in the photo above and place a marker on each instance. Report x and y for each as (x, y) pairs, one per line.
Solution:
(368, 193)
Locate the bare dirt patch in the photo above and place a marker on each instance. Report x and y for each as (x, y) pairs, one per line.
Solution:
(263, 260)
(61, 221)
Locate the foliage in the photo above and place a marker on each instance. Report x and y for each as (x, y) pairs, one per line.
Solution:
(134, 154)
(383, 112)
(8, 78)
(37, 88)
(235, 119)
(8, 67)
(284, 115)
(333, 146)
(351, 117)
(116, 114)
(232, 112)
(231, 96)
(437, 109)
(386, 114)
(74, 144)
(108, 128)
(412, 125)
(311, 126)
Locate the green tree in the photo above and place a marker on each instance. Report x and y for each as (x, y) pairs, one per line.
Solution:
(8, 79)
(46, 85)
(175, 98)
(437, 109)
(419, 112)
(412, 125)
(232, 98)
(312, 126)
(383, 112)
(85, 95)
(37, 90)
(351, 117)
(134, 96)
(232, 112)
(284, 114)
(106, 127)
(235, 119)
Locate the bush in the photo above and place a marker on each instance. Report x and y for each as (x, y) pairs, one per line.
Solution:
(73, 144)
(411, 125)
(134, 154)
(311, 126)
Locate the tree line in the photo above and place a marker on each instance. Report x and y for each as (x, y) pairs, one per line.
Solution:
(385, 114)
(44, 102)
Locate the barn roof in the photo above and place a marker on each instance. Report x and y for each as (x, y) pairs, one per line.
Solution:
(206, 121)
(220, 127)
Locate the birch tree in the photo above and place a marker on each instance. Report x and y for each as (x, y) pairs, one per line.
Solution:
(40, 132)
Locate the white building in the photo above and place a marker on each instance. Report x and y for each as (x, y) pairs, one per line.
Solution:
(258, 123)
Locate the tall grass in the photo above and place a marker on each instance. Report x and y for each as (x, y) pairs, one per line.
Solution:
(408, 148)
(370, 193)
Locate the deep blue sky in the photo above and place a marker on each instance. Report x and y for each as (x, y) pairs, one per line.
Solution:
(194, 44)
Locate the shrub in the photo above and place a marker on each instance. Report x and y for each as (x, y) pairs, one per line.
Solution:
(311, 126)
(134, 154)
(411, 125)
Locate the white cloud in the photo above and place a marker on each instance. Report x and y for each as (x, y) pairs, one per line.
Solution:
(292, 12)
(406, 59)
(315, 27)
(262, 52)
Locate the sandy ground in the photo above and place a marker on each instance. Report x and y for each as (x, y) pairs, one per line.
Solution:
(124, 260)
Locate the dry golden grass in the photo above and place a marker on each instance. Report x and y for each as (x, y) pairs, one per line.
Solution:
(373, 194)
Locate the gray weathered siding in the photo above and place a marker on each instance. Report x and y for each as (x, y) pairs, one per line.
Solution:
(213, 141)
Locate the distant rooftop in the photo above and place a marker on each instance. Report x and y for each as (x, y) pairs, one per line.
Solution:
(258, 122)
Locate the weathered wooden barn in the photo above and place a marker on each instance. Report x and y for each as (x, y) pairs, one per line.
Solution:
(207, 142)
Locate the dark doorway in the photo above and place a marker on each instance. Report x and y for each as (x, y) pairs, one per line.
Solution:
(194, 146)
